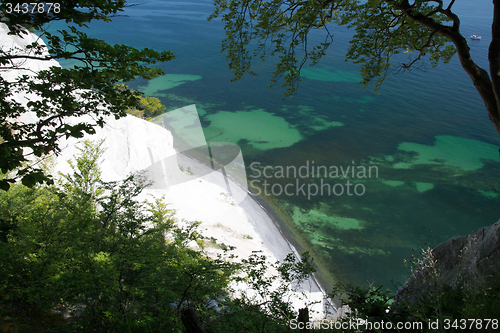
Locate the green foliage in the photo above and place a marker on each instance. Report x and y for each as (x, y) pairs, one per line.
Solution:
(266, 305)
(384, 29)
(77, 12)
(151, 107)
(87, 256)
(87, 89)
(442, 304)
(82, 184)
(367, 303)
(148, 107)
(285, 24)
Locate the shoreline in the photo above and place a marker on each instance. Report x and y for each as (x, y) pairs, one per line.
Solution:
(293, 241)
(320, 278)
(291, 237)
(280, 217)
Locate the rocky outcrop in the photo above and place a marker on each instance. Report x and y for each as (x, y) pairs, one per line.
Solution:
(466, 261)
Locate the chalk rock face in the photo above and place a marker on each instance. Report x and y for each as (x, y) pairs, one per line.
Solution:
(471, 259)
(16, 45)
(128, 143)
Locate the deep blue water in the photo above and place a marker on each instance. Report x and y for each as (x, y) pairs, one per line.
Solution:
(427, 132)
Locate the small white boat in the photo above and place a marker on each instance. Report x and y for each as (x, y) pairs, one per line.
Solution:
(475, 37)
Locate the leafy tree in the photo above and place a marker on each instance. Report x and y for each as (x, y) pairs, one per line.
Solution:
(425, 29)
(151, 107)
(87, 89)
(147, 108)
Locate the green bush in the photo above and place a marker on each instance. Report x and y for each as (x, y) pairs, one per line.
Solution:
(148, 107)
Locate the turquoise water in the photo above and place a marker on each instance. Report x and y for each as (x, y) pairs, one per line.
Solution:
(427, 134)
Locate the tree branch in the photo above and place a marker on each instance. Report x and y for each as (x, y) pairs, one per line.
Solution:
(479, 76)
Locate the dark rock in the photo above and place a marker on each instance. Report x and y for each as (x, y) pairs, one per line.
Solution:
(467, 261)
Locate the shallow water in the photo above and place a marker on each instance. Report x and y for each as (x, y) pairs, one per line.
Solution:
(427, 134)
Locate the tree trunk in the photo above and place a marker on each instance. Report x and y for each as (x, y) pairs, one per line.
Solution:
(304, 318)
(190, 321)
(494, 56)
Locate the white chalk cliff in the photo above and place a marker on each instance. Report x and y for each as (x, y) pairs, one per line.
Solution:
(134, 144)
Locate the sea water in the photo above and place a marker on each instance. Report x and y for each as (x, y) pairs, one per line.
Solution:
(426, 138)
